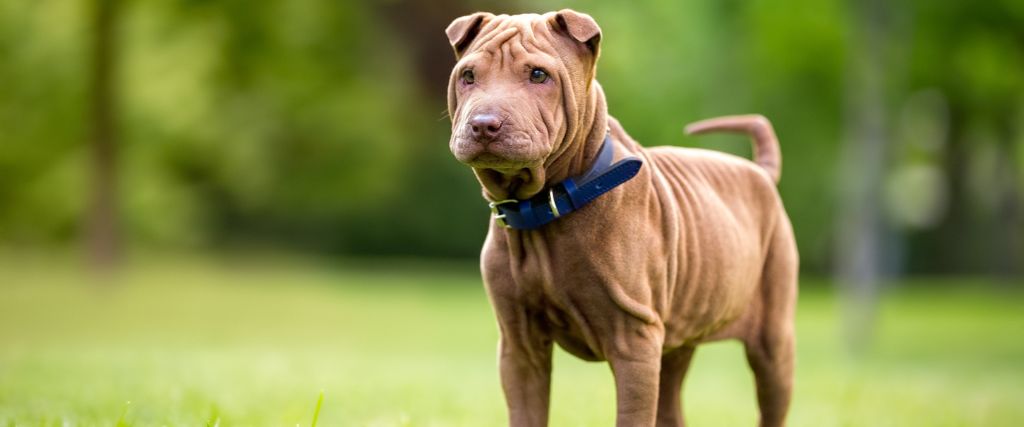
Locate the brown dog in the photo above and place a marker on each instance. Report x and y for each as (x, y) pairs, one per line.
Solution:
(696, 247)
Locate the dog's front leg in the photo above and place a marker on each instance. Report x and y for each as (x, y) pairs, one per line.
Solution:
(525, 358)
(636, 364)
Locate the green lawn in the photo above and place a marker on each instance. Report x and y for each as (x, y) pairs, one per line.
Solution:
(253, 341)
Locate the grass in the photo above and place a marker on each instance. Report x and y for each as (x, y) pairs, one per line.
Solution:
(251, 342)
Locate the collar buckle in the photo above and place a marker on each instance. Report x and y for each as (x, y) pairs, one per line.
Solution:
(497, 215)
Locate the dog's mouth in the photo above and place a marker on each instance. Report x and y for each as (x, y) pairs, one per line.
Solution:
(502, 154)
(490, 160)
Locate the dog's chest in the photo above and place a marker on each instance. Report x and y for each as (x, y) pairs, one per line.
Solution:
(561, 314)
(567, 296)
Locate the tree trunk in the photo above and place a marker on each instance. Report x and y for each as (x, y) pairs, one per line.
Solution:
(860, 224)
(102, 230)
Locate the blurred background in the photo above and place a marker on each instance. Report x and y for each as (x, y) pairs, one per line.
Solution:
(220, 208)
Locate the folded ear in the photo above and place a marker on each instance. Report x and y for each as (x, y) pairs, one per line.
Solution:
(462, 31)
(580, 26)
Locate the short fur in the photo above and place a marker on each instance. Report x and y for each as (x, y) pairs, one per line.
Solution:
(696, 248)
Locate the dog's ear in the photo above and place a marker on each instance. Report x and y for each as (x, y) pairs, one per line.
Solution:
(463, 30)
(580, 27)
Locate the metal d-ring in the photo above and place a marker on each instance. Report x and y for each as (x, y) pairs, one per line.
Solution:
(551, 202)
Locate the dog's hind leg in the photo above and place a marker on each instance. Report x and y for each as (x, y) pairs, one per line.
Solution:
(772, 363)
(770, 343)
(673, 369)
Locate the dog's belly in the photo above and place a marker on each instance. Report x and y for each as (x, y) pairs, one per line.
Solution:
(713, 208)
(707, 315)
(573, 343)
(717, 287)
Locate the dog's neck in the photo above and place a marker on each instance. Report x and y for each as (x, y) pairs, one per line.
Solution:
(585, 132)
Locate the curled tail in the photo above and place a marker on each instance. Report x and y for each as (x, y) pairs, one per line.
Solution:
(766, 145)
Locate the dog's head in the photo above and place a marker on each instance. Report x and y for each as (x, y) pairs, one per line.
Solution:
(518, 93)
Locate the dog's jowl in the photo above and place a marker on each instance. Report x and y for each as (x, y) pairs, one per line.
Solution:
(614, 251)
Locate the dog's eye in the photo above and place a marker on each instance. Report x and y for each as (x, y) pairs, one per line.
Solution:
(468, 77)
(538, 75)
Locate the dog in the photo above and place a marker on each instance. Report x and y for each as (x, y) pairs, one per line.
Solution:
(614, 251)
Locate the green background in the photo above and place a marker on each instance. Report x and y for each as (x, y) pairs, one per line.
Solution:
(287, 219)
(321, 126)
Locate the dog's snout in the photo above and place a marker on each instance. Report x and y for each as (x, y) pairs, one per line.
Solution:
(485, 127)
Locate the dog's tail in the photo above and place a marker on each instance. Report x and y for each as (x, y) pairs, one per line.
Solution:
(766, 145)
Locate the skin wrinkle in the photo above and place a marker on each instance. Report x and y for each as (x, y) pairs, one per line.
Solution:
(553, 120)
(662, 215)
(521, 48)
(535, 360)
(539, 247)
(506, 52)
(676, 264)
(516, 262)
(571, 122)
(568, 159)
(589, 336)
(546, 121)
(488, 35)
(689, 216)
(530, 38)
(688, 240)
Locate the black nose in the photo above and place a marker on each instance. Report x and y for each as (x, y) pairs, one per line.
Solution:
(485, 127)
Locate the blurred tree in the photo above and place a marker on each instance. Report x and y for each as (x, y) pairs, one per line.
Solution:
(102, 223)
(860, 244)
(320, 125)
(971, 54)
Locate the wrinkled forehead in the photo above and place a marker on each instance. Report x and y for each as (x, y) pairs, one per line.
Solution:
(516, 37)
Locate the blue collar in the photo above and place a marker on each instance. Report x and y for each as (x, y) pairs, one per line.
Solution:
(569, 195)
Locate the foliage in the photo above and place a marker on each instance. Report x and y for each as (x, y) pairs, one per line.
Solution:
(320, 125)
